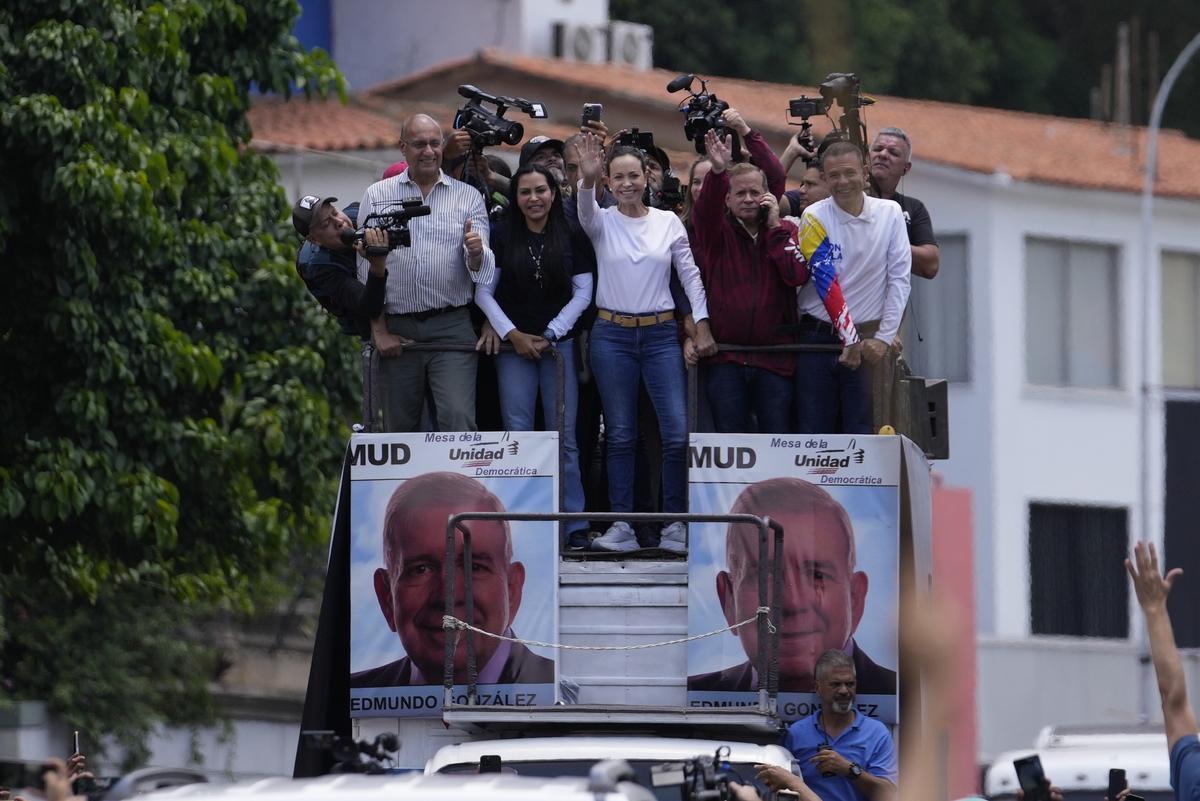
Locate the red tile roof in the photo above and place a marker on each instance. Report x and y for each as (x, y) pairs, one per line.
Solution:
(280, 125)
(1028, 147)
(367, 124)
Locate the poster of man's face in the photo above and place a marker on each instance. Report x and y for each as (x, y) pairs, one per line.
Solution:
(837, 499)
(399, 563)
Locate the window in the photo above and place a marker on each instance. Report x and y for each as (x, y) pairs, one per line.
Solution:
(1181, 546)
(936, 330)
(1077, 580)
(1071, 320)
(1180, 319)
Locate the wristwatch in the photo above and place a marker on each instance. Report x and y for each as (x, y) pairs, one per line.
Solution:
(549, 335)
(855, 771)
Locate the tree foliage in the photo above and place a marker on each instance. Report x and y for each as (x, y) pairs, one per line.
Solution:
(1031, 55)
(174, 406)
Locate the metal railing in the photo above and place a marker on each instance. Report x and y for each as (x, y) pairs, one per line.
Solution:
(769, 623)
(371, 406)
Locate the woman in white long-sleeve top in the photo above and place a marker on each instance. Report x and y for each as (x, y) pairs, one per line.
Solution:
(634, 338)
(533, 303)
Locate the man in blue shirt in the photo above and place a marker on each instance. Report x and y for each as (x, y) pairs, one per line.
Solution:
(1152, 589)
(843, 755)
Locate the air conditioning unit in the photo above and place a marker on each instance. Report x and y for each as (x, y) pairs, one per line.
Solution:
(575, 42)
(631, 44)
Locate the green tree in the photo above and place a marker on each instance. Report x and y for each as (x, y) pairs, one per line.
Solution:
(174, 405)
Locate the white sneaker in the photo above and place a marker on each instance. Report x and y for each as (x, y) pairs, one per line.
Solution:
(674, 538)
(619, 537)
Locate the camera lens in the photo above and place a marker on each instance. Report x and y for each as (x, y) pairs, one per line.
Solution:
(514, 134)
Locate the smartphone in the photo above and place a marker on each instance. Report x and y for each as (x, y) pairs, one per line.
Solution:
(1032, 779)
(489, 763)
(591, 111)
(1116, 783)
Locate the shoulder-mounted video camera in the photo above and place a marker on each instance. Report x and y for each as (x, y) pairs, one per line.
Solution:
(489, 128)
(393, 219)
(702, 778)
(842, 88)
(669, 195)
(702, 113)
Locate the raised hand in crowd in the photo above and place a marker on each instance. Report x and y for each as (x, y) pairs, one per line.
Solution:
(1056, 793)
(458, 145)
(472, 246)
(734, 119)
(591, 160)
(1152, 589)
(720, 150)
(596, 127)
(794, 152)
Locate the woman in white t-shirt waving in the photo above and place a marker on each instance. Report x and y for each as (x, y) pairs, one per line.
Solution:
(635, 338)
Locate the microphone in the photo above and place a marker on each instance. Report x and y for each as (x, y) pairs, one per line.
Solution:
(682, 82)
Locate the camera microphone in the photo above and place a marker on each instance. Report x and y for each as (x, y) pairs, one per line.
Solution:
(681, 82)
(468, 91)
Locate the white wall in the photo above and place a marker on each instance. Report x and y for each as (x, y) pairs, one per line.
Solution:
(375, 41)
(342, 175)
(1013, 443)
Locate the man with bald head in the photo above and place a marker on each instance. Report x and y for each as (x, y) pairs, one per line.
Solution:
(410, 587)
(429, 285)
(823, 595)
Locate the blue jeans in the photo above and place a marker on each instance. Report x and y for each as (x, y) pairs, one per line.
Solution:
(620, 357)
(519, 381)
(830, 398)
(734, 389)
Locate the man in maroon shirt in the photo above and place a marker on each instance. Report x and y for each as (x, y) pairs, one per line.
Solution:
(740, 244)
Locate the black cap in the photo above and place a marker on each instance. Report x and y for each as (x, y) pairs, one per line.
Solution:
(660, 155)
(305, 209)
(537, 143)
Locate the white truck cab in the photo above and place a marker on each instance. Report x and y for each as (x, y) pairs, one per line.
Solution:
(575, 755)
(1078, 759)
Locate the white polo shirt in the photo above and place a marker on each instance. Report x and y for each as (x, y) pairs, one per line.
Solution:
(872, 258)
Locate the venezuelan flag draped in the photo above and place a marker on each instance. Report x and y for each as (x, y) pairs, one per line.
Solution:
(823, 256)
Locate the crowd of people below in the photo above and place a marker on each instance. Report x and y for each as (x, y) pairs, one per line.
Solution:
(593, 260)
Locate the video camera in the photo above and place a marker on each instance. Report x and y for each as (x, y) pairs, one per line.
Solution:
(669, 195)
(701, 778)
(392, 219)
(348, 755)
(702, 112)
(842, 88)
(489, 128)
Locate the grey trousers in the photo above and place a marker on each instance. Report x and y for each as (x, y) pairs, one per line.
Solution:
(449, 375)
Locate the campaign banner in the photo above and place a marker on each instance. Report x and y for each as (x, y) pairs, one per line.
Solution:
(838, 500)
(403, 488)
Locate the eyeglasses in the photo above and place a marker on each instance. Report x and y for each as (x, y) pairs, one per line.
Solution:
(432, 144)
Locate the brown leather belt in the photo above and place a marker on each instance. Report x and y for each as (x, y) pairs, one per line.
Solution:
(635, 320)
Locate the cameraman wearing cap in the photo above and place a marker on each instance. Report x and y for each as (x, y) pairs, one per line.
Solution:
(329, 269)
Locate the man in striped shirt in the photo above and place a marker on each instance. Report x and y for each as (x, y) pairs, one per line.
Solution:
(429, 286)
